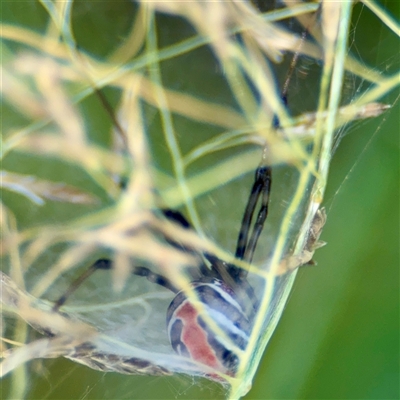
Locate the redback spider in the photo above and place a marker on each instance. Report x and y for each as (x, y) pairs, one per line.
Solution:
(221, 288)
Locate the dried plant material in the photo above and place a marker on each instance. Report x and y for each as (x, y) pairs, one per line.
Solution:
(57, 104)
(37, 190)
(22, 98)
(312, 243)
(167, 124)
(67, 337)
(303, 127)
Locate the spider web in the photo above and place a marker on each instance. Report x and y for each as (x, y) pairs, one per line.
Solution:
(194, 139)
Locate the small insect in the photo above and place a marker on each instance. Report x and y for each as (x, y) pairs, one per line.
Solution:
(221, 288)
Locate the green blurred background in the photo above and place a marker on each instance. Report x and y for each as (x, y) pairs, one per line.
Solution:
(339, 335)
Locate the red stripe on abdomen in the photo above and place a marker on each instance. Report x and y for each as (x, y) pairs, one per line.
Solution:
(194, 337)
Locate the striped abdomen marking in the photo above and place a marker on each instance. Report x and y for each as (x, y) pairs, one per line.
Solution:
(190, 336)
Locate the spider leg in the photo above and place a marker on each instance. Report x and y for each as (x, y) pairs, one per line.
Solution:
(262, 214)
(178, 218)
(230, 273)
(245, 247)
(99, 264)
(218, 269)
(106, 264)
(262, 184)
(155, 278)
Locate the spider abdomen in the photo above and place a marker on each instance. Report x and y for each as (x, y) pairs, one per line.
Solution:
(210, 327)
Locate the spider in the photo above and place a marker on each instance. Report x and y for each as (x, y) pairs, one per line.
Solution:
(220, 287)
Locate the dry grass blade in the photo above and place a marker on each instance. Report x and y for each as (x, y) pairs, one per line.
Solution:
(37, 190)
